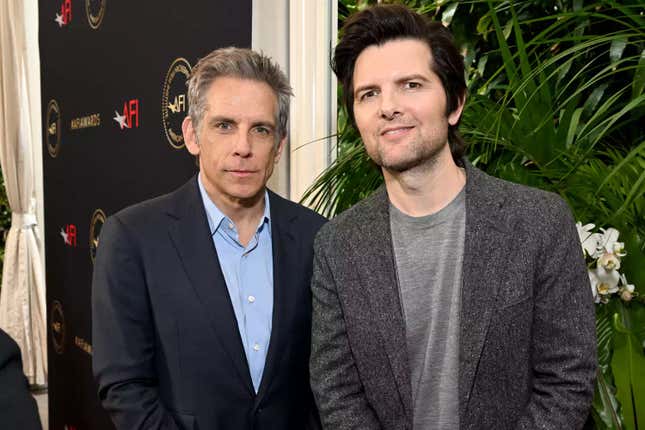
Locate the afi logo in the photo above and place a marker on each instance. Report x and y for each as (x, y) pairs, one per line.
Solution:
(69, 235)
(130, 116)
(65, 16)
(179, 104)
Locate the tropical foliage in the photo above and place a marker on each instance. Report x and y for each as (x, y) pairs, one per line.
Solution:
(556, 100)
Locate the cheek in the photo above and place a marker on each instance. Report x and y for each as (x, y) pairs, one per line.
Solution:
(363, 125)
(269, 159)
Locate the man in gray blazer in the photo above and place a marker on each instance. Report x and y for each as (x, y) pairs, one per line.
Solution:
(448, 299)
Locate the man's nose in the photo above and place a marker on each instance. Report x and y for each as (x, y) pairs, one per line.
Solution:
(389, 107)
(243, 145)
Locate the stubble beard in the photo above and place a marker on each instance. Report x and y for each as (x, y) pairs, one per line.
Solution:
(420, 155)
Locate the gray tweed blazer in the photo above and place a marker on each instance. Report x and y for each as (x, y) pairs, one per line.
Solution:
(527, 337)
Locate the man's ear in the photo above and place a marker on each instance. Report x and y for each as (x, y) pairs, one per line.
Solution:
(190, 136)
(279, 149)
(455, 115)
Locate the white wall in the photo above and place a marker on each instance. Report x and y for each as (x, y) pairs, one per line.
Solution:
(299, 34)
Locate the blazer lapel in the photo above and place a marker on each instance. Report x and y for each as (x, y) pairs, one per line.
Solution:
(486, 241)
(377, 270)
(191, 236)
(285, 255)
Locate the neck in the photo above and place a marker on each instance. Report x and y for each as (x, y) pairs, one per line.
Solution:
(425, 189)
(245, 213)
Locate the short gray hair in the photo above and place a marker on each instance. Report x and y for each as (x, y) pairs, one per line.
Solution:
(238, 63)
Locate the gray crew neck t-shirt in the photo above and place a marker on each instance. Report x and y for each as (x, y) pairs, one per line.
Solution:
(429, 254)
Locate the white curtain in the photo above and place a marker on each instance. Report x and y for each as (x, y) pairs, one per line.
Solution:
(22, 298)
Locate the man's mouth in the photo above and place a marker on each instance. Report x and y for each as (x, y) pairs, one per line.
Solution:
(396, 131)
(241, 172)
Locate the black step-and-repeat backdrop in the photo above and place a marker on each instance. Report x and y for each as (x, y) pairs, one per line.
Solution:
(113, 96)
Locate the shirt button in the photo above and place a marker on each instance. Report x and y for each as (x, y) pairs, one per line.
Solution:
(256, 347)
(230, 225)
(251, 299)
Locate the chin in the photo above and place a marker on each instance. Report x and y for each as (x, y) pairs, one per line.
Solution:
(247, 194)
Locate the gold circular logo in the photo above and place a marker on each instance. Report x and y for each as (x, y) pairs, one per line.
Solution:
(98, 219)
(95, 11)
(57, 325)
(53, 124)
(174, 101)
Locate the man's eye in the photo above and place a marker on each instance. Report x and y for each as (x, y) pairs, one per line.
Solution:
(263, 130)
(412, 85)
(223, 125)
(367, 94)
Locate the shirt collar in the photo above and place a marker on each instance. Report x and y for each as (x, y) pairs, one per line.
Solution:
(215, 216)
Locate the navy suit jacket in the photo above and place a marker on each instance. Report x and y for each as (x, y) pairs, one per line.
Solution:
(167, 350)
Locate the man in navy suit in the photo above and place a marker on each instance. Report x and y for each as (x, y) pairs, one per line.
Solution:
(201, 302)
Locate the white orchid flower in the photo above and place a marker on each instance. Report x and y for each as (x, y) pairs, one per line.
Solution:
(619, 249)
(609, 239)
(607, 281)
(627, 290)
(593, 280)
(609, 261)
(626, 295)
(606, 252)
(590, 241)
(626, 286)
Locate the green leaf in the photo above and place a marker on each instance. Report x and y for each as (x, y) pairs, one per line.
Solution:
(577, 5)
(605, 408)
(628, 365)
(594, 98)
(638, 83)
(448, 13)
(481, 65)
(507, 29)
(632, 266)
(483, 24)
(573, 126)
(616, 49)
(562, 71)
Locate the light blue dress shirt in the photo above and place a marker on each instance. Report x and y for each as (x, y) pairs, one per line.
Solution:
(248, 272)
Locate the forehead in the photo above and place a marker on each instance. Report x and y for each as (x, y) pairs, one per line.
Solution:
(393, 59)
(241, 98)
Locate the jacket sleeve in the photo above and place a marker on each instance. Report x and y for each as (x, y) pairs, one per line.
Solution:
(335, 381)
(17, 407)
(564, 339)
(123, 334)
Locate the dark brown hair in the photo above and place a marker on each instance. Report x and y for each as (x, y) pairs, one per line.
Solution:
(379, 24)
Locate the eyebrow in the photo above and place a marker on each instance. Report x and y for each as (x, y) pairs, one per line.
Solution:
(400, 80)
(414, 77)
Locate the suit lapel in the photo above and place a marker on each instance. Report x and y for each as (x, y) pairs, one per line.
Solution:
(377, 271)
(285, 256)
(191, 236)
(486, 241)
